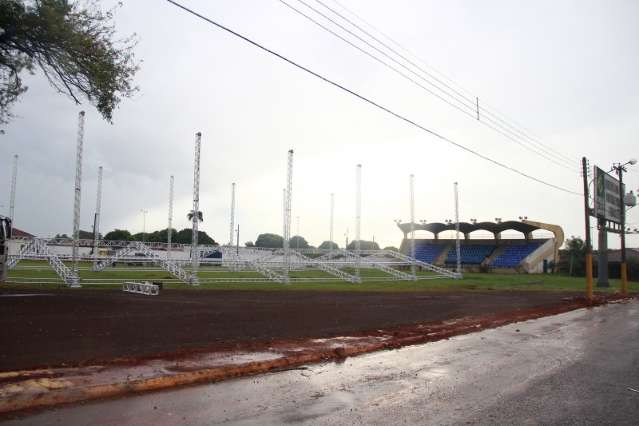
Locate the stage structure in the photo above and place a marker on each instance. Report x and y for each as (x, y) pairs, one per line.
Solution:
(270, 264)
(196, 215)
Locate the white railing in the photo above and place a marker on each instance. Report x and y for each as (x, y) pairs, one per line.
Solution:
(329, 269)
(424, 265)
(100, 265)
(391, 271)
(169, 266)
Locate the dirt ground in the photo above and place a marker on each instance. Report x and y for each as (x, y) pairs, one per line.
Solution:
(67, 328)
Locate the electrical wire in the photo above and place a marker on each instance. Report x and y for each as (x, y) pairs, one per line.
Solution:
(369, 101)
(486, 108)
(496, 126)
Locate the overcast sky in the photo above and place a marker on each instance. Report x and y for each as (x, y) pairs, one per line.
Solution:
(566, 70)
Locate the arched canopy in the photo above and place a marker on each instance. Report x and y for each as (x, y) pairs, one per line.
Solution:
(467, 228)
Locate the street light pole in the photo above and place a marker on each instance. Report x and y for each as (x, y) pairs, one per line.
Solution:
(620, 168)
(144, 212)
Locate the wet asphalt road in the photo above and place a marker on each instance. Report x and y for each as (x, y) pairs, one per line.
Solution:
(581, 367)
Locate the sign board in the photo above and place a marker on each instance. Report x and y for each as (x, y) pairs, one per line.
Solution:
(608, 204)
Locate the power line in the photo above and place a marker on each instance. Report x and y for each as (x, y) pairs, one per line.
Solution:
(367, 100)
(486, 109)
(496, 126)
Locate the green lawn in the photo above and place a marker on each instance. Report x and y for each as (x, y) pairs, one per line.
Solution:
(471, 281)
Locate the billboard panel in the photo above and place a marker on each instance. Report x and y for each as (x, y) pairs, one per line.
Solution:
(607, 201)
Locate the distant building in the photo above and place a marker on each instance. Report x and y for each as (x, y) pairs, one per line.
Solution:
(20, 234)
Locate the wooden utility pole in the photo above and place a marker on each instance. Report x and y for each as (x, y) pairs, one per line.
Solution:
(584, 165)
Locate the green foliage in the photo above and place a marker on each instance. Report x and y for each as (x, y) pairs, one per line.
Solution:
(181, 237)
(118, 235)
(83, 235)
(192, 213)
(364, 245)
(574, 260)
(298, 241)
(74, 45)
(328, 245)
(249, 244)
(391, 248)
(269, 241)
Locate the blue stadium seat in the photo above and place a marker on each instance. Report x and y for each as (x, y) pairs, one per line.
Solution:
(427, 252)
(471, 254)
(512, 255)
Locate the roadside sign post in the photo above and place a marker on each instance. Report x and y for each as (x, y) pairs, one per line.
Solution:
(610, 212)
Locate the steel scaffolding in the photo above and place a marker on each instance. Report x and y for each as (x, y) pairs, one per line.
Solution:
(76, 200)
(12, 198)
(195, 255)
(96, 221)
(169, 234)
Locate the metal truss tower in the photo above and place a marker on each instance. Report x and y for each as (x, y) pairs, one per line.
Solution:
(76, 201)
(195, 255)
(232, 225)
(169, 234)
(288, 196)
(457, 246)
(358, 216)
(96, 220)
(283, 217)
(412, 222)
(330, 234)
(14, 179)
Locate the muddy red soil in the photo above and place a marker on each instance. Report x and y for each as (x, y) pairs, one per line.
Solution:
(67, 328)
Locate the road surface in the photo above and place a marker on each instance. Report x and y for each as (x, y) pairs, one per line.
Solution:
(581, 367)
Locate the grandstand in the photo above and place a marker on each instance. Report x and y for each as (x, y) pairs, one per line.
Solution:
(528, 251)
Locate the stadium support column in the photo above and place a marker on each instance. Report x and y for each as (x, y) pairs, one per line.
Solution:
(77, 196)
(14, 179)
(288, 196)
(602, 254)
(169, 232)
(412, 224)
(195, 255)
(358, 217)
(232, 225)
(96, 221)
(457, 246)
(584, 171)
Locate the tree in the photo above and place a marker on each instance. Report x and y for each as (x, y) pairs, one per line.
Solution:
(576, 250)
(118, 235)
(185, 236)
(192, 213)
(249, 244)
(328, 245)
(74, 45)
(364, 245)
(86, 235)
(391, 248)
(298, 241)
(269, 241)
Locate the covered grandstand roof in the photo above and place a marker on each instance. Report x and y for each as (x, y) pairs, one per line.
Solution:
(466, 228)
